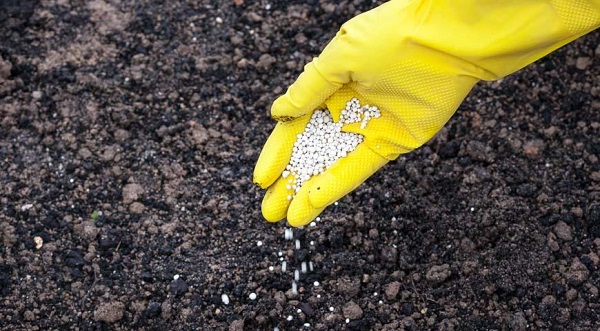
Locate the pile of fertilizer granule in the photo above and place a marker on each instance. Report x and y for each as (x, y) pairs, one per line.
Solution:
(323, 142)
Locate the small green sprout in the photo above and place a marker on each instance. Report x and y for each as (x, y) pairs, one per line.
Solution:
(95, 215)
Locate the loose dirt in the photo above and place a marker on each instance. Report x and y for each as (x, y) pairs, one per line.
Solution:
(128, 135)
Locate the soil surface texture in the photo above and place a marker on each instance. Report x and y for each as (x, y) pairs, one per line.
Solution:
(128, 135)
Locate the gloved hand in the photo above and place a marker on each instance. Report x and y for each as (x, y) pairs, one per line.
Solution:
(416, 61)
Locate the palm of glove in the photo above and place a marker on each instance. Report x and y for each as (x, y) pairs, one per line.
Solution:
(321, 190)
(405, 123)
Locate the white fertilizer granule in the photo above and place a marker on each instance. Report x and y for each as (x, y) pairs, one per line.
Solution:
(225, 299)
(323, 142)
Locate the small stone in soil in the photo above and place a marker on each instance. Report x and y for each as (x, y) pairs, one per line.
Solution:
(39, 242)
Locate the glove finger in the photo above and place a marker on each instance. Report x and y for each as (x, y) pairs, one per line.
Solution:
(301, 211)
(277, 151)
(341, 178)
(275, 203)
(344, 176)
(321, 78)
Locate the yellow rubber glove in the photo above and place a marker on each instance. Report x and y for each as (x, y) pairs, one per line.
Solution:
(416, 61)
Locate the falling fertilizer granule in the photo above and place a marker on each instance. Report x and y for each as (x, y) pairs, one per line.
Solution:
(323, 142)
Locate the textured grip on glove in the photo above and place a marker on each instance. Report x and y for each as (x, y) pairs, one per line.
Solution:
(578, 16)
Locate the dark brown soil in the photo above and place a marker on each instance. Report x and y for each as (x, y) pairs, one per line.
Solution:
(128, 136)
